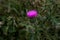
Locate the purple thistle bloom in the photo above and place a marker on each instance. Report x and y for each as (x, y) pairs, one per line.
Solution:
(32, 13)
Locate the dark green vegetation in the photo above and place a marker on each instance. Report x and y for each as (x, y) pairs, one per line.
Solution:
(14, 24)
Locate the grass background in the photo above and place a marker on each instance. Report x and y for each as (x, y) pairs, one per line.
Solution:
(15, 25)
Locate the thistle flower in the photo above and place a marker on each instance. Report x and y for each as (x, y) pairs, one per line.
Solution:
(32, 14)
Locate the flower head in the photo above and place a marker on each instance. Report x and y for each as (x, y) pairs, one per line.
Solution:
(32, 13)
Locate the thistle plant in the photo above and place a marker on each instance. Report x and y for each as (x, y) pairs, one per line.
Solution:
(29, 20)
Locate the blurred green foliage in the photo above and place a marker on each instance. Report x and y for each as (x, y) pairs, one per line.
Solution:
(15, 25)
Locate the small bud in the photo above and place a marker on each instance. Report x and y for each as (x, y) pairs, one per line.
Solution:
(58, 26)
